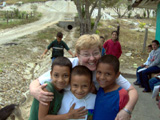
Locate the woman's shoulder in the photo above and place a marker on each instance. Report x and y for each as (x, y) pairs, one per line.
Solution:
(74, 61)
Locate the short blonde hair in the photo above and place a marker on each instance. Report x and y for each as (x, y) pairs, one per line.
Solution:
(88, 41)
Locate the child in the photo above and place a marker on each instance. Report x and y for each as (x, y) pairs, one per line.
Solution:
(112, 46)
(137, 82)
(103, 50)
(152, 67)
(60, 75)
(81, 79)
(58, 47)
(111, 98)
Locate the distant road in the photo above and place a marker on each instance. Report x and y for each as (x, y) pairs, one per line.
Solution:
(52, 13)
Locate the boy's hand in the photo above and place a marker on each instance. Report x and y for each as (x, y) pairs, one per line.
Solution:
(122, 115)
(77, 113)
(42, 56)
(43, 96)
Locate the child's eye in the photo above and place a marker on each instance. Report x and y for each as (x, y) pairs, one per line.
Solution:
(66, 76)
(84, 86)
(107, 74)
(98, 72)
(74, 85)
(55, 75)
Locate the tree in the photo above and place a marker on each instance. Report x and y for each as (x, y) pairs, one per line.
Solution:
(85, 9)
(121, 8)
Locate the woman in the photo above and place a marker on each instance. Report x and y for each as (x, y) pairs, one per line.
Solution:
(113, 46)
(88, 50)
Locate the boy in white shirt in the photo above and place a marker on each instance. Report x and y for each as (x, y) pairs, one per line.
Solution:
(81, 80)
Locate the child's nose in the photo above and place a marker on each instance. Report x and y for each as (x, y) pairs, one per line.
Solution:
(102, 76)
(60, 79)
(79, 89)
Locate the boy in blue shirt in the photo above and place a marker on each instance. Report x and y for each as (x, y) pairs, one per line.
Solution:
(111, 98)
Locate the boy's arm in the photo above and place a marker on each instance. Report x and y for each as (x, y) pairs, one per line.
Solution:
(70, 53)
(46, 50)
(37, 92)
(72, 114)
(133, 97)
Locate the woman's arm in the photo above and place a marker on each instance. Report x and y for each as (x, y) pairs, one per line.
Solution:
(37, 92)
(133, 97)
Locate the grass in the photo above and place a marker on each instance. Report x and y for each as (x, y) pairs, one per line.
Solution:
(16, 21)
(131, 41)
(24, 1)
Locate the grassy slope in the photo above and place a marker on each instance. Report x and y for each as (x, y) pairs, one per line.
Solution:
(24, 1)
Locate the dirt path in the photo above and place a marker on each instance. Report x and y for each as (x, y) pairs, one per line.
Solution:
(52, 12)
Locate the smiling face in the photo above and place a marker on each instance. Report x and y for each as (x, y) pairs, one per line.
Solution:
(60, 76)
(89, 57)
(80, 85)
(106, 76)
(154, 46)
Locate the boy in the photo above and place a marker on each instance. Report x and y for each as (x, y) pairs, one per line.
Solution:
(81, 79)
(137, 82)
(58, 47)
(60, 76)
(103, 50)
(111, 98)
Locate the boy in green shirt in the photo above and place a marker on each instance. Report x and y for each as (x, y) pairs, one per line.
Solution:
(57, 47)
(60, 75)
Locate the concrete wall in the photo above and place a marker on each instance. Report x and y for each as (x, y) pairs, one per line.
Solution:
(158, 23)
(67, 25)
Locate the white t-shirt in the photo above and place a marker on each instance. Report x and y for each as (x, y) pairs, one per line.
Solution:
(69, 99)
(120, 80)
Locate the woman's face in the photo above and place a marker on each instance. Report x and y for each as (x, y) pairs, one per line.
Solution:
(89, 57)
(114, 36)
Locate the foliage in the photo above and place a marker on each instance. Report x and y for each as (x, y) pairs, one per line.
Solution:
(129, 14)
(85, 9)
(24, 1)
(141, 25)
(121, 8)
(144, 13)
(15, 18)
(97, 32)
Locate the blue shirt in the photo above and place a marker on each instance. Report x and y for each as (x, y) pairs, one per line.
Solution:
(109, 104)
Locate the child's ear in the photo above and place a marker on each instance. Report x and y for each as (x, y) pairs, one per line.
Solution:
(117, 75)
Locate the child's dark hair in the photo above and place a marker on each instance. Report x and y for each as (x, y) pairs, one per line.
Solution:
(82, 70)
(150, 46)
(115, 32)
(59, 34)
(110, 59)
(62, 61)
(155, 41)
(102, 37)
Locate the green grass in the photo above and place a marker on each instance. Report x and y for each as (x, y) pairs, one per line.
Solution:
(16, 21)
(24, 1)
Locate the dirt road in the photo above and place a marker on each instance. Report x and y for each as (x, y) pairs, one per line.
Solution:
(52, 12)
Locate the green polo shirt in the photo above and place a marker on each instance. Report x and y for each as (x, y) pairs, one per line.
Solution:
(55, 104)
(57, 48)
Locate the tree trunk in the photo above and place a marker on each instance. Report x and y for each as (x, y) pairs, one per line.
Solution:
(85, 18)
